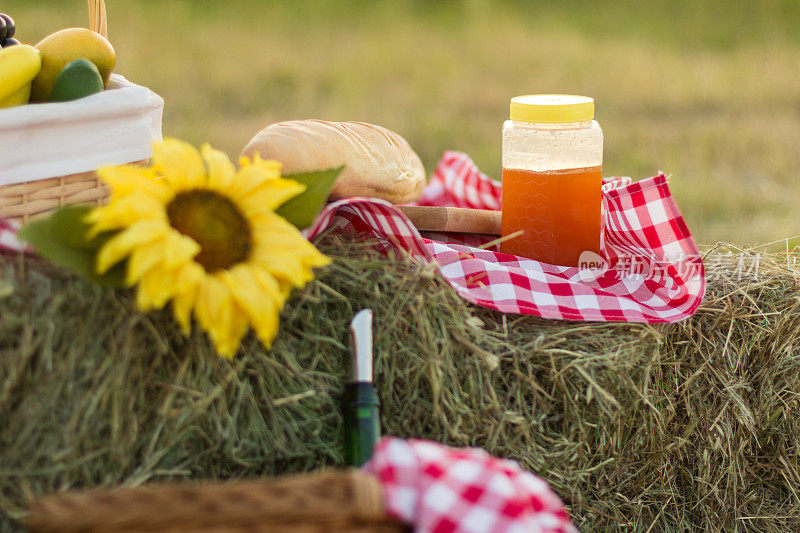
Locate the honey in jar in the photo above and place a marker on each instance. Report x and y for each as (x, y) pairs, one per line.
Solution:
(552, 160)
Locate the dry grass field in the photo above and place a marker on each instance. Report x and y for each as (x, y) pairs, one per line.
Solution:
(708, 92)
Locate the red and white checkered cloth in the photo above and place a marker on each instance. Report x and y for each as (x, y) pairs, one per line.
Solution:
(438, 489)
(654, 270)
(8, 236)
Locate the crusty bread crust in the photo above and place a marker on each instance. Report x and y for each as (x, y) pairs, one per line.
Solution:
(378, 162)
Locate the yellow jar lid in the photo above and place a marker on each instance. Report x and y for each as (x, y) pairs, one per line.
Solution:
(552, 108)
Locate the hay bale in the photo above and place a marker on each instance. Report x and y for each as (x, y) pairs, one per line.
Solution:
(637, 427)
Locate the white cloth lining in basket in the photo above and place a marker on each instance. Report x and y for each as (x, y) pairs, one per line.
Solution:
(116, 126)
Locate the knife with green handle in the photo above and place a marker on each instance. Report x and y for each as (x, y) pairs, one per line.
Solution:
(361, 409)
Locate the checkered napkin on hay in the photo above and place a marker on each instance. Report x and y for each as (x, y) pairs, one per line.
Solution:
(653, 271)
(446, 490)
(8, 236)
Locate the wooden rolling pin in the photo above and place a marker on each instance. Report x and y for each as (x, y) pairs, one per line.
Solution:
(453, 219)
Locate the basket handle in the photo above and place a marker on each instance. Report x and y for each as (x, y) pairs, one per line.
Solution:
(97, 17)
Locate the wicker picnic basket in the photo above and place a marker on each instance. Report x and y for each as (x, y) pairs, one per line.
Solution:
(31, 197)
(347, 501)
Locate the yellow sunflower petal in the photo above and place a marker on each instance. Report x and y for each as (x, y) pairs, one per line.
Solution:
(162, 283)
(124, 212)
(182, 305)
(269, 165)
(179, 163)
(121, 244)
(143, 259)
(270, 226)
(283, 251)
(220, 302)
(215, 309)
(286, 289)
(181, 251)
(267, 183)
(155, 288)
(186, 295)
(237, 330)
(269, 285)
(247, 285)
(286, 267)
(221, 172)
(127, 179)
(313, 258)
(270, 195)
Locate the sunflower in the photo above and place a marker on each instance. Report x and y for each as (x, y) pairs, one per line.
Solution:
(206, 237)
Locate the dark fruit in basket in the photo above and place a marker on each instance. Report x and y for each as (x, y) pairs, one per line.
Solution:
(9, 42)
(10, 26)
(2, 29)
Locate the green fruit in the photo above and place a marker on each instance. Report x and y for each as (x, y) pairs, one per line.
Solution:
(66, 46)
(78, 79)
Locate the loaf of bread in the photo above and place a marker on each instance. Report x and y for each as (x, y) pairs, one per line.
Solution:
(378, 162)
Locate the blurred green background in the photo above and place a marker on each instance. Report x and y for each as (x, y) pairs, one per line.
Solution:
(706, 91)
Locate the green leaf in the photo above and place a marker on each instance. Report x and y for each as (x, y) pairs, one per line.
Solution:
(61, 238)
(301, 210)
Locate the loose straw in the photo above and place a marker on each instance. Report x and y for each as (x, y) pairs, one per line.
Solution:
(97, 17)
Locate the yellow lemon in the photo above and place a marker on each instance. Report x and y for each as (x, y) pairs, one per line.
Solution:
(65, 46)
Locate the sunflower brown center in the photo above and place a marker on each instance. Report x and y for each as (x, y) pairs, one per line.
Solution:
(215, 223)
